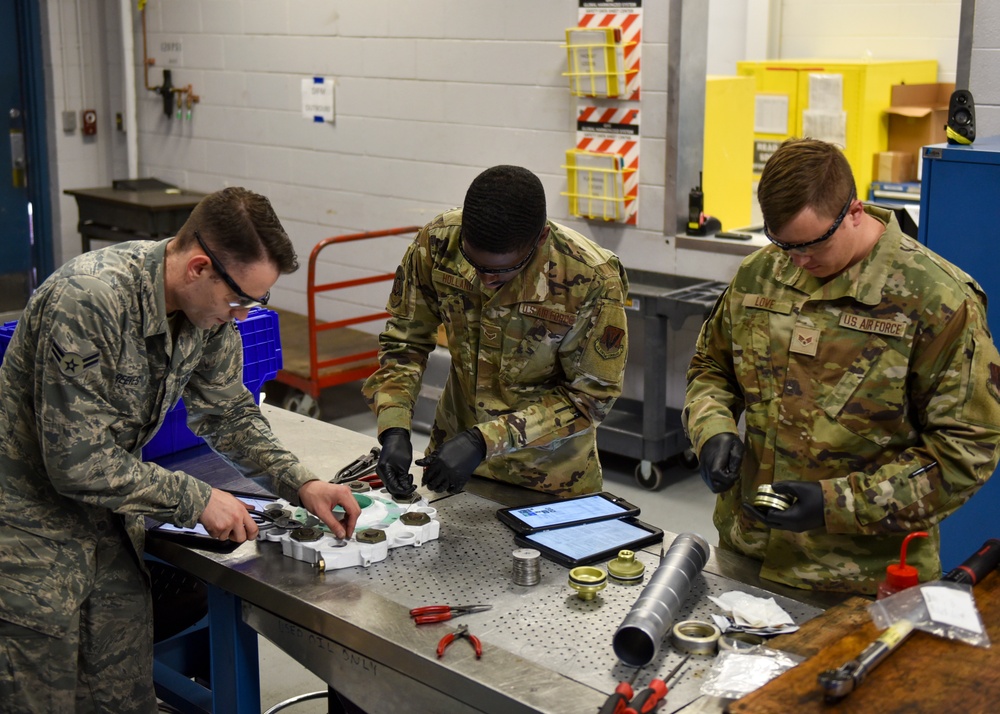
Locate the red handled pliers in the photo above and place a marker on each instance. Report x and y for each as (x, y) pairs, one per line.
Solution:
(461, 632)
(441, 613)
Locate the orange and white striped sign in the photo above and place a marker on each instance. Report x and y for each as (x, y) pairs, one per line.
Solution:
(614, 131)
(627, 16)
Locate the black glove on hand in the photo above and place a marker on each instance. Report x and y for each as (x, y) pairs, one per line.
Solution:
(805, 514)
(451, 466)
(719, 461)
(394, 462)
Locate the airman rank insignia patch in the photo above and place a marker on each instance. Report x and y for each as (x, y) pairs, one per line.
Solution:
(993, 383)
(612, 342)
(70, 363)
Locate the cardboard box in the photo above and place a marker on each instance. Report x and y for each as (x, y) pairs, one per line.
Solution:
(917, 117)
(894, 166)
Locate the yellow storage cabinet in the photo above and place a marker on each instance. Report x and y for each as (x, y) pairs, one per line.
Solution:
(784, 89)
(727, 173)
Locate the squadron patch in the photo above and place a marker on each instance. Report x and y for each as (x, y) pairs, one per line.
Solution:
(993, 382)
(396, 296)
(612, 342)
(70, 363)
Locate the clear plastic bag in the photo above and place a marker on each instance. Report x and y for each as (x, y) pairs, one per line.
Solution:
(735, 674)
(939, 608)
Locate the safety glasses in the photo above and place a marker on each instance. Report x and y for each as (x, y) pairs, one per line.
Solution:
(245, 301)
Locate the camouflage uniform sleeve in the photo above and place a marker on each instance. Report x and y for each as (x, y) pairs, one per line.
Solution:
(223, 412)
(409, 336)
(956, 392)
(84, 321)
(592, 356)
(713, 400)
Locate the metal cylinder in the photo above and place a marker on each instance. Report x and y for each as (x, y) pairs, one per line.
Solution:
(638, 638)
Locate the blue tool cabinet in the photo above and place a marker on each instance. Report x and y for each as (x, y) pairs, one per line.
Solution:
(960, 220)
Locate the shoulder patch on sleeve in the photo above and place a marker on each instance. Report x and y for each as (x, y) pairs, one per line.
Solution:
(993, 381)
(611, 342)
(70, 363)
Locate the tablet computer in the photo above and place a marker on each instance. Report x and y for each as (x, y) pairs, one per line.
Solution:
(566, 512)
(591, 542)
(198, 537)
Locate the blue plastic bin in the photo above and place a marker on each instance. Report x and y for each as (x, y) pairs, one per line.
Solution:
(6, 333)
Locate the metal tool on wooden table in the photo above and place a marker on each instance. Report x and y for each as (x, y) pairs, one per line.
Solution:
(838, 683)
(442, 613)
(361, 466)
(461, 633)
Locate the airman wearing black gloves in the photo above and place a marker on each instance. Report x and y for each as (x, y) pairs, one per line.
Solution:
(863, 367)
(393, 465)
(534, 317)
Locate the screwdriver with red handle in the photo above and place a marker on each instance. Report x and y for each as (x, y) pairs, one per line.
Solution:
(649, 698)
(617, 701)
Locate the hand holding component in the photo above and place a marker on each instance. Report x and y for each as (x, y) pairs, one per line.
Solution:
(321, 497)
(719, 461)
(805, 514)
(441, 613)
(394, 461)
(450, 467)
(227, 518)
(460, 633)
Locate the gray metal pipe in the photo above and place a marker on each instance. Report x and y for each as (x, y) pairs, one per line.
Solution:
(638, 638)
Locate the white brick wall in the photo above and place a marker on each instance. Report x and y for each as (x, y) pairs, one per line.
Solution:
(984, 81)
(428, 94)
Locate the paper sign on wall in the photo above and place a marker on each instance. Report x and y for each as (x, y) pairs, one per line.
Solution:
(317, 99)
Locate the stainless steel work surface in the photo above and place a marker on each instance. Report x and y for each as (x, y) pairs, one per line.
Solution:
(545, 649)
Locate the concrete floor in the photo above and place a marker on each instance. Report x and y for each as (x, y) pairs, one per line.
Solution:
(684, 504)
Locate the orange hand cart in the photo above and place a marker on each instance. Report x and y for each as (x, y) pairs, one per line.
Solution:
(348, 354)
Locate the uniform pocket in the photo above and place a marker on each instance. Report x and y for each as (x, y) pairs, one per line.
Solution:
(530, 354)
(869, 400)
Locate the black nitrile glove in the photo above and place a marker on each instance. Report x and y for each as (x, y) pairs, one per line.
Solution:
(394, 462)
(805, 514)
(451, 466)
(719, 461)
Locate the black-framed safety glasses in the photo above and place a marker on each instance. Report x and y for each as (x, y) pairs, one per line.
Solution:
(245, 301)
(483, 270)
(825, 237)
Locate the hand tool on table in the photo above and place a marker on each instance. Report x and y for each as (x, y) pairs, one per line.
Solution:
(649, 698)
(461, 633)
(617, 701)
(359, 467)
(441, 613)
(838, 683)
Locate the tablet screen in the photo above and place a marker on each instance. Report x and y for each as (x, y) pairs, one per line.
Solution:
(580, 543)
(574, 510)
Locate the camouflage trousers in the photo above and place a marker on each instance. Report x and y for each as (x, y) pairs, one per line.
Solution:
(105, 661)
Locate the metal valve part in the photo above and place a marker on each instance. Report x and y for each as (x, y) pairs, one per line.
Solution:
(414, 518)
(306, 535)
(625, 569)
(371, 535)
(587, 581)
(767, 497)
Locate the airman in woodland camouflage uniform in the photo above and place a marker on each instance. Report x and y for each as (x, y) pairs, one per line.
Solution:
(868, 378)
(534, 316)
(101, 353)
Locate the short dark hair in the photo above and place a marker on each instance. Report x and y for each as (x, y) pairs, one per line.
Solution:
(241, 227)
(801, 173)
(504, 210)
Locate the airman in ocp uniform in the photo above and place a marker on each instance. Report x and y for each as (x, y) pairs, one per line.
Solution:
(535, 324)
(868, 378)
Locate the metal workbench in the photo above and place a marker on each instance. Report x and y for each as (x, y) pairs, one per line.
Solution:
(545, 650)
(647, 429)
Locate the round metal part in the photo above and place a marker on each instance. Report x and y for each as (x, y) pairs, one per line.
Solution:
(371, 536)
(306, 535)
(359, 487)
(526, 569)
(406, 500)
(414, 518)
(587, 581)
(767, 497)
(696, 637)
(625, 569)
